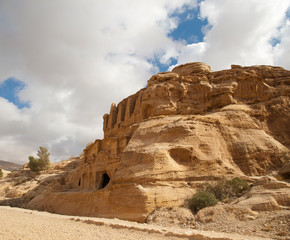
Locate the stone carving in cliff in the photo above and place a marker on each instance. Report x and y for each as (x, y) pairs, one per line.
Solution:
(186, 127)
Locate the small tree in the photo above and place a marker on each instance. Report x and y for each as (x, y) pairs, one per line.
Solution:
(42, 162)
(1, 173)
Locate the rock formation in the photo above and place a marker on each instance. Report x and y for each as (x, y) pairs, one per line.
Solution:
(187, 127)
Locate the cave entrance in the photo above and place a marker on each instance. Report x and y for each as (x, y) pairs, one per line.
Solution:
(80, 182)
(105, 180)
(102, 180)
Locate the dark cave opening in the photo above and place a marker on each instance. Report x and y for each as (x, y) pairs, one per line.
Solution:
(79, 183)
(102, 180)
(105, 180)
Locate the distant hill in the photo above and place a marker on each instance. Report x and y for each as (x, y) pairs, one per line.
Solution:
(9, 166)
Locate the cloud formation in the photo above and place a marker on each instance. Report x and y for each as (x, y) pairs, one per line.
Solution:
(77, 57)
(241, 32)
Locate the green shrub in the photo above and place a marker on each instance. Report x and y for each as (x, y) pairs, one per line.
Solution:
(237, 187)
(41, 163)
(228, 189)
(217, 190)
(201, 200)
(209, 195)
(1, 173)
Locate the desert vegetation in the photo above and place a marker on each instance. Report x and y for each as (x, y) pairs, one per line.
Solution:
(202, 199)
(233, 188)
(210, 195)
(1, 173)
(41, 163)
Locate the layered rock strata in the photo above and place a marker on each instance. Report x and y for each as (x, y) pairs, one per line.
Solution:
(187, 127)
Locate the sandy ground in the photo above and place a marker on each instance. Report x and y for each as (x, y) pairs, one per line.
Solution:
(23, 224)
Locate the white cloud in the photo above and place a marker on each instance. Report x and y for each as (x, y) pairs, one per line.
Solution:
(240, 32)
(76, 58)
(192, 53)
(282, 49)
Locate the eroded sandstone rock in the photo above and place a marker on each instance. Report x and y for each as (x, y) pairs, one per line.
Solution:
(187, 127)
(191, 68)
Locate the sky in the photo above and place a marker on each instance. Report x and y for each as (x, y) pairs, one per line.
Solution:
(62, 63)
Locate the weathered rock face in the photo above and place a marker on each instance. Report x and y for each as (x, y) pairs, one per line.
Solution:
(186, 127)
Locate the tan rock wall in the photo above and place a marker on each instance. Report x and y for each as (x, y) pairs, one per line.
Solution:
(187, 127)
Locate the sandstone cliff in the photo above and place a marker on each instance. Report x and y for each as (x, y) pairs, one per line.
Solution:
(186, 127)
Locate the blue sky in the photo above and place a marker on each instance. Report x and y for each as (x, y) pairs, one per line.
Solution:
(9, 90)
(63, 63)
(190, 27)
(189, 30)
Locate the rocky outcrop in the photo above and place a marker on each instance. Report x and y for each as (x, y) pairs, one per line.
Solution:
(263, 212)
(190, 68)
(187, 127)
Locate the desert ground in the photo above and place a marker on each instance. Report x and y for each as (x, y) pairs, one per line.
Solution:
(23, 224)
